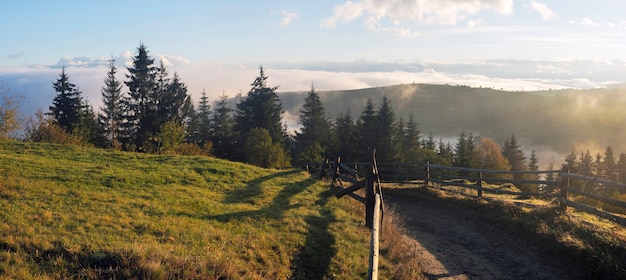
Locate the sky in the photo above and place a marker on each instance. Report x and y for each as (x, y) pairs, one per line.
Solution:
(217, 46)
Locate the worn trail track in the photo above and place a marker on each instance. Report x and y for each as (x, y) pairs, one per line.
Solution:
(452, 243)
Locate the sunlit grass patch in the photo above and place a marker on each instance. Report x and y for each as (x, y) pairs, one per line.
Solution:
(73, 212)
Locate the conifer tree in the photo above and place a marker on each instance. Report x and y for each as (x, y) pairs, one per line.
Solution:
(621, 167)
(68, 106)
(385, 149)
(221, 133)
(465, 151)
(533, 162)
(346, 137)
(445, 152)
(570, 165)
(138, 104)
(202, 121)
(314, 138)
(609, 165)
(514, 154)
(110, 116)
(175, 104)
(367, 129)
(260, 108)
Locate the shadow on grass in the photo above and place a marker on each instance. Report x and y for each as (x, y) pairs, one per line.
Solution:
(254, 188)
(275, 209)
(313, 259)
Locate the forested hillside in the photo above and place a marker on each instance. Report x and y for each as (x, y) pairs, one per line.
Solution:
(558, 119)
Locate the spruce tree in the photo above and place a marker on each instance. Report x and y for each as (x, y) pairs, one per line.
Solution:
(110, 116)
(138, 104)
(175, 104)
(621, 167)
(346, 135)
(367, 128)
(609, 165)
(202, 121)
(314, 137)
(222, 133)
(260, 108)
(386, 123)
(514, 154)
(67, 106)
(465, 151)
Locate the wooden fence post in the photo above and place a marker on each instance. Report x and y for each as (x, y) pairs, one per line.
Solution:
(427, 171)
(374, 247)
(480, 184)
(563, 192)
(323, 166)
(369, 196)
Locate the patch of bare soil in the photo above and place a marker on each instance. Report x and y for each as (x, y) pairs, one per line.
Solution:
(455, 244)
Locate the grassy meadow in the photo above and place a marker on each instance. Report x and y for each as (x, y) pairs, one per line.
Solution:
(74, 212)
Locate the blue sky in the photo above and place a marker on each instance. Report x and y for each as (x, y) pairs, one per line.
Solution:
(218, 45)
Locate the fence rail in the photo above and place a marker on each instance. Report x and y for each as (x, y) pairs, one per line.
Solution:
(433, 175)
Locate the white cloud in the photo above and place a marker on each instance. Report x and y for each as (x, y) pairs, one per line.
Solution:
(35, 82)
(474, 23)
(447, 12)
(373, 25)
(586, 21)
(287, 17)
(542, 9)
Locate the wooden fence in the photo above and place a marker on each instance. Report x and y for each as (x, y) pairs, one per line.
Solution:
(563, 189)
(341, 173)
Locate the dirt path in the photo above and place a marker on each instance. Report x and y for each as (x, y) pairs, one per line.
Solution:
(454, 244)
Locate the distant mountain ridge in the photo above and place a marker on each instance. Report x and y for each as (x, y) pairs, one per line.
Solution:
(554, 119)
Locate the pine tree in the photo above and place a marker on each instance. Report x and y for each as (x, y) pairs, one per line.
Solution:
(570, 165)
(367, 128)
(465, 151)
(110, 116)
(222, 129)
(621, 167)
(202, 120)
(175, 104)
(585, 167)
(314, 139)
(138, 104)
(514, 154)
(445, 152)
(261, 108)
(68, 106)
(346, 137)
(385, 150)
(609, 165)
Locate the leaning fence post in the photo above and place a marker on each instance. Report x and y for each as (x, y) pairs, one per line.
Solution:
(563, 192)
(480, 184)
(374, 247)
(369, 196)
(427, 178)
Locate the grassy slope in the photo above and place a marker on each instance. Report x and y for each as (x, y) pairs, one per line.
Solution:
(89, 213)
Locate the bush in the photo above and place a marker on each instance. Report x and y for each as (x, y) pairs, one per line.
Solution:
(45, 130)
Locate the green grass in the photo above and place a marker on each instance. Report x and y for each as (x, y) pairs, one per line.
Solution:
(589, 246)
(73, 212)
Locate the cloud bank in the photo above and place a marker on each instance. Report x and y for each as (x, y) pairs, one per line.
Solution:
(398, 17)
(35, 82)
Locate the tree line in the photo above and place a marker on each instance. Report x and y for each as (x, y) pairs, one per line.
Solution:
(156, 114)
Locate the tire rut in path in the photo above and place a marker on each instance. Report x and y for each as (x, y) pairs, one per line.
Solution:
(452, 243)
